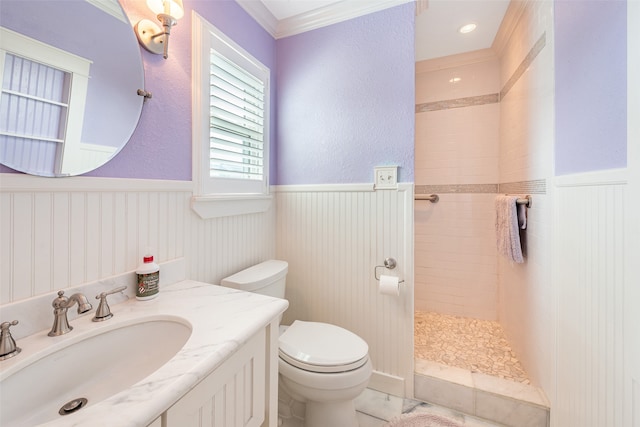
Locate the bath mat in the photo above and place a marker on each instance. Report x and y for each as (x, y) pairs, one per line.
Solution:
(420, 419)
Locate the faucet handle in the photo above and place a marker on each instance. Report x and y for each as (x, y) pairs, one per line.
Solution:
(104, 311)
(8, 346)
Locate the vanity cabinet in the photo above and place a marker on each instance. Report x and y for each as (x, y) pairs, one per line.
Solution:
(237, 394)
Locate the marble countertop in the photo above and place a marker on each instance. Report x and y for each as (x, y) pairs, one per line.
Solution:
(222, 319)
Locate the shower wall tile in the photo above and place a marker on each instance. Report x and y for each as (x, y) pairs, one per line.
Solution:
(475, 79)
(458, 146)
(527, 109)
(455, 256)
(526, 295)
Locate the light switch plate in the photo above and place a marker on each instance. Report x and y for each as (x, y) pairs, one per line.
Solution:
(386, 177)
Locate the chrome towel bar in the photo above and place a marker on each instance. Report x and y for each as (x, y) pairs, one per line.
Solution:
(433, 198)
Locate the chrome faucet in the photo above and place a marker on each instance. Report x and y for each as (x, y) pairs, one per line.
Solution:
(60, 306)
(8, 347)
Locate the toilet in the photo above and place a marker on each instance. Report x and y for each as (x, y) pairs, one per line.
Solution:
(323, 365)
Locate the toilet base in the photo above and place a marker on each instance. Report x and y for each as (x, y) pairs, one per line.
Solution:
(323, 414)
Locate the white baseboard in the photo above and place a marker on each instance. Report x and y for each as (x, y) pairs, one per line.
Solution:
(386, 383)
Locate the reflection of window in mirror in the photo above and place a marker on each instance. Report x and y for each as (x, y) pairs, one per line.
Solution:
(43, 98)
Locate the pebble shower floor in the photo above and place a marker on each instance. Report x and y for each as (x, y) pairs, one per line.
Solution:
(471, 344)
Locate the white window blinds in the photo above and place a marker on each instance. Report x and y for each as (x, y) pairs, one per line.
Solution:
(237, 107)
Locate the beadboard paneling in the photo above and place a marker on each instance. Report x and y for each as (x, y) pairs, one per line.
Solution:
(590, 273)
(231, 396)
(219, 247)
(332, 239)
(58, 233)
(62, 239)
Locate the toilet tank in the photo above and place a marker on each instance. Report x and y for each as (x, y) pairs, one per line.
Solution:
(266, 278)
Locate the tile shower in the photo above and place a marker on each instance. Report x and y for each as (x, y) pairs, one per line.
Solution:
(484, 127)
(459, 345)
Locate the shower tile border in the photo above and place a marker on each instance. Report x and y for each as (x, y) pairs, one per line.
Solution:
(492, 98)
(538, 186)
(457, 188)
(448, 104)
(526, 63)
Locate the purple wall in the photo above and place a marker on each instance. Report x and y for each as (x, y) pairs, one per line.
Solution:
(160, 147)
(591, 85)
(346, 100)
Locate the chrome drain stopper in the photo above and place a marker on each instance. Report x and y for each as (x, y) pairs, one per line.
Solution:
(72, 406)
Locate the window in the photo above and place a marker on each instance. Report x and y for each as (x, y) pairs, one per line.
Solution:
(43, 92)
(231, 125)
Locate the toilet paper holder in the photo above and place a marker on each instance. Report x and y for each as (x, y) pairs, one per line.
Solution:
(389, 264)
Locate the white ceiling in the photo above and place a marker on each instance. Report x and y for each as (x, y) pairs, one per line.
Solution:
(436, 26)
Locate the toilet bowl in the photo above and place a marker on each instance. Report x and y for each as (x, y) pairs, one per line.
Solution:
(326, 367)
(322, 365)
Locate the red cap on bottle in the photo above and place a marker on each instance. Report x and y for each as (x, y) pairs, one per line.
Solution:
(148, 258)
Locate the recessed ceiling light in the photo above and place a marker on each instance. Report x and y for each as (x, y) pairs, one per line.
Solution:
(455, 80)
(467, 28)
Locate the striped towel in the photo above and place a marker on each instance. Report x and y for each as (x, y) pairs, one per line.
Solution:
(507, 233)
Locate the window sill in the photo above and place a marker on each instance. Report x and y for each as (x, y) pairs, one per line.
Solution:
(208, 207)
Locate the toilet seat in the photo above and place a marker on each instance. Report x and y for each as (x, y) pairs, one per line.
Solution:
(323, 348)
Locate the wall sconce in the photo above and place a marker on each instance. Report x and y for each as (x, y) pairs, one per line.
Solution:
(150, 35)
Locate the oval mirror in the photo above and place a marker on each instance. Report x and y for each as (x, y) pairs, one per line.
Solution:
(70, 72)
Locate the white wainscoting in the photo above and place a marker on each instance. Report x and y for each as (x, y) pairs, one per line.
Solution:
(332, 237)
(590, 275)
(58, 233)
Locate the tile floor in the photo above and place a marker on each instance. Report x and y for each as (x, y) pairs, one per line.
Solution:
(375, 409)
(471, 344)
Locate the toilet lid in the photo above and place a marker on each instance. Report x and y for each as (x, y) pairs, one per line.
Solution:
(321, 347)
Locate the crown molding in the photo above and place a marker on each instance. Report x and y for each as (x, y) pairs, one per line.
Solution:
(332, 14)
(328, 15)
(259, 12)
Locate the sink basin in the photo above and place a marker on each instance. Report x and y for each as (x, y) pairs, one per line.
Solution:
(94, 367)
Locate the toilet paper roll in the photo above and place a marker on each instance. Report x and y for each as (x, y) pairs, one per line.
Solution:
(389, 285)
